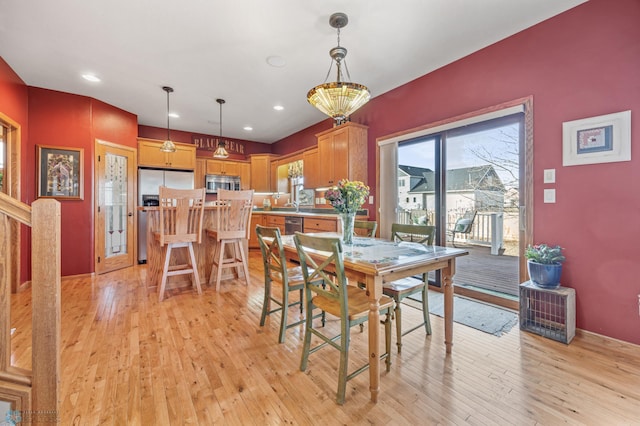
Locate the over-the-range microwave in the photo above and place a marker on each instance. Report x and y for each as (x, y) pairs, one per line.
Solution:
(215, 182)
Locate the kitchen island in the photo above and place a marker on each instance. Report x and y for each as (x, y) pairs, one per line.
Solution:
(203, 251)
(314, 220)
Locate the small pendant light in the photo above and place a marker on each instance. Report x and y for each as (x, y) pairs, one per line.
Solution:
(221, 151)
(168, 146)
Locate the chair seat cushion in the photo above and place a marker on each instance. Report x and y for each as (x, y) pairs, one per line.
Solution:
(358, 303)
(403, 287)
(295, 276)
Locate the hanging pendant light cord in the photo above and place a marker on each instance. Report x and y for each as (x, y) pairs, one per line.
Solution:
(168, 131)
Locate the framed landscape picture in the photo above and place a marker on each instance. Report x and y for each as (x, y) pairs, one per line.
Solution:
(59, 172)
(602, 139)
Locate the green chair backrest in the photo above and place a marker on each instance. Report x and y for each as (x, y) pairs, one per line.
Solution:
(273, 257)
(370, 226)
(423, 234)
(324, 277)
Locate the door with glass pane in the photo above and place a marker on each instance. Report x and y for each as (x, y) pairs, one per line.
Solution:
(114, 207)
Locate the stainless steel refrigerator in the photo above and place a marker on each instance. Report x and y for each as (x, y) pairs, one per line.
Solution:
(149, 182)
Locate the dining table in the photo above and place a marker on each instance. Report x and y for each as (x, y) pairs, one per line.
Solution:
(374, 262)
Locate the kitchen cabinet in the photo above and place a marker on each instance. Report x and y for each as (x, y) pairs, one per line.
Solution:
(149, 155)
(275, 222)
(342, 154)
(261, 172)
(311, 168)
(200, 172)
(244, 170)
(314, 224)
(256, 219)
(223, 167)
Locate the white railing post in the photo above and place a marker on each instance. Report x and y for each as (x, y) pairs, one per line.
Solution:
(496, 233)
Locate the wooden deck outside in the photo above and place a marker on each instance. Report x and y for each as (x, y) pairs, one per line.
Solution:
(482, 270)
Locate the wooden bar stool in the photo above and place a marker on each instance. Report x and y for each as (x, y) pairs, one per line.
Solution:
(232, 227)
(181, 212)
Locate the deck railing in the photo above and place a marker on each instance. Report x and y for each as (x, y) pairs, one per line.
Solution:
(487, 230)
(33, 395)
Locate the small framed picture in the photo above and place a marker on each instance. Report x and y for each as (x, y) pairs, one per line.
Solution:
(59, 172)
(602, 139)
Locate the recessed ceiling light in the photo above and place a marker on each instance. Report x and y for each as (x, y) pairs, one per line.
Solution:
(276, 61)
(90, 77)
(173, 115)
(248, 128)
(278, 107)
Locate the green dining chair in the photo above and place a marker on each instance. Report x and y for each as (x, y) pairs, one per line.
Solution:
(276, 270)
(326, 288)
(398, 290)
(368, 228)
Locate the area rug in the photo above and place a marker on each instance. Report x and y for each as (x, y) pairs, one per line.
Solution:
(478, 315)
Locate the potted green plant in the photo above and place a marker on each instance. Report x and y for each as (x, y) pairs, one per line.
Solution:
(544, 264)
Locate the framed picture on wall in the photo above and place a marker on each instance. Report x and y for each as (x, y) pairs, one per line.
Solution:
(602, 139)
(59, 172)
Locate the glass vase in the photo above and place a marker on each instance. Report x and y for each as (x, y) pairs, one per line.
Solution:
(348, 220)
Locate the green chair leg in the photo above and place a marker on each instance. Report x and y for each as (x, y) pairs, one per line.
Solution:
(398, 314)
(425, 309)
(266, 304)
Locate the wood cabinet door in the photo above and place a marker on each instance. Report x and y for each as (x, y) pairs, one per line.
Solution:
(261, 173)
(340, 148)
(184, 158)
(325, 154)
(311, 168)
(215, 167)
(149, 154)
(256, 219)
(245, 176)
(231, 168)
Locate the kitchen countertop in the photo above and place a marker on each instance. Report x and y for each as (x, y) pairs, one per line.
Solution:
(311, 212)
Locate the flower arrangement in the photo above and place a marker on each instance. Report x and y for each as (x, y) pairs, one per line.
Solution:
(348, 196)
(542, 253)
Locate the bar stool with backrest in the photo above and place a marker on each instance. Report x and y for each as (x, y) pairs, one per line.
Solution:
(400, 289)
(368, 228)
(276, 270)
(326, 288)
(232, 228)
(181, 212)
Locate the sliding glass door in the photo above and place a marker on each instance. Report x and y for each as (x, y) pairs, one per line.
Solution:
(467, 182)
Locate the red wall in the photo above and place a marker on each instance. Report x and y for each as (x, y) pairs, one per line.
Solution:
(63, 119)
(14, 103)
(582, 63)
(185, 137)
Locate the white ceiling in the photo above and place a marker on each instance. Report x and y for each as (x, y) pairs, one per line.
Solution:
(208, 49)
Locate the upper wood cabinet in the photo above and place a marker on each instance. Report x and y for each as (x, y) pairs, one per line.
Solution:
(244, 170)
(261, 179)
(149, 155)
(342, 154)
(223, 167)
(311, 168)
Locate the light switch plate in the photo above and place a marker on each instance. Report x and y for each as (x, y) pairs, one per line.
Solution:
(550, 176)
(549, 195)
(370, 199)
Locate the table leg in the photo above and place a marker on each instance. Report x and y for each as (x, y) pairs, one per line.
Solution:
(374, 291)
(447, 281)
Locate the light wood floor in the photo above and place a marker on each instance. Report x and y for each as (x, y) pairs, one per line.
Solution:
(129, 360)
